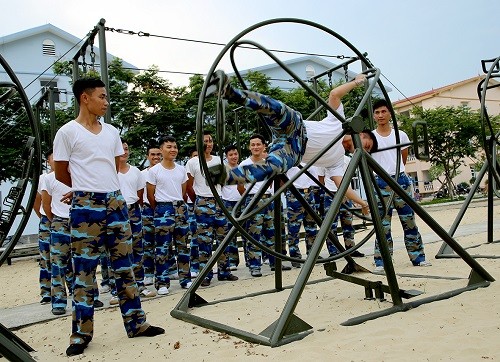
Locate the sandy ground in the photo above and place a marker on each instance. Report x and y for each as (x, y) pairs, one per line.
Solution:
(465, 327)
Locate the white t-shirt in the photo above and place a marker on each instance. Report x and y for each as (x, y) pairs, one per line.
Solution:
(91, 156)
(329, 184)
(303, 182)
(145, 195)
(199, 184)
(387, 159)
(321, 133)
(57, 189)
(258, 184)
(41, 185)
(131, 182)
(168, 182)
(230, 193)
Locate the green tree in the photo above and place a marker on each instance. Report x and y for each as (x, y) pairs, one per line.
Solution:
(453, 135)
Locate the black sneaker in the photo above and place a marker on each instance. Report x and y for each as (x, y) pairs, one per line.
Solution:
(205, 283)
(357, 254)
(98, 304)
(76, 349)
(283, 267)
(218, 174)
(218, 84)
(58, 311)
(296, 264)
(46, 300)
(151, 331)
(230, 277)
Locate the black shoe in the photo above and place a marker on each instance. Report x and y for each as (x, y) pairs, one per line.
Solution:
(218, 174)
(218, 84)
(357, 254)
(151, 331)
(230, 277)
(46, 300)
(296, 264)
(58, 311)
(76, 349)
(205, 283)
(98, 304)
(283, 267)
(255, 273)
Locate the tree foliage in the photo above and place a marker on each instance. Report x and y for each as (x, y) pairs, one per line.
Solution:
(453, 134)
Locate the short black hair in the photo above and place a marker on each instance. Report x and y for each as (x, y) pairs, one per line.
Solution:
(166, 139)
(380, 103)
(85, 84)
(373, 138)
(151, 146)
(191, 151)
(48, 153)
(259, 136)
(230, 148)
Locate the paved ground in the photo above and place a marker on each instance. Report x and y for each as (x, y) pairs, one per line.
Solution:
(18, 317)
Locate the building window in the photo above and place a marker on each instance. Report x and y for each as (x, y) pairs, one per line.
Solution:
(49, 48)
(310, 71)
(45, 84)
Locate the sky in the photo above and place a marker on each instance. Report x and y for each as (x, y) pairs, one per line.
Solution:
(417, 45)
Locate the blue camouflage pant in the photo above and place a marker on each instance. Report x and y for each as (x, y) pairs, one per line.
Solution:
(44, 262)
(60, 257)
(412, 239)
(346, 223)
(232, 248)
(135, 219)
(100, 220)
(148, 234)
(211, 227)
(171, 224)
(298, 216)
(194, 249)
(289, 137)
(261, 228)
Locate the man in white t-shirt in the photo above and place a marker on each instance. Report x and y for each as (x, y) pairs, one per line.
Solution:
(261, 226)
(148, 227)
(132, 185)
(86, 155)
(166, 184)
(294, 139)
(211, 223)
(231, 195)
(43, 244)
(60, 239)
(386, 137)
(297, 214)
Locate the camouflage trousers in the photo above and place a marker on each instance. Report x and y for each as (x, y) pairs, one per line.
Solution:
(60, 257)
(289, 137)
(135, 220)
(260, 228)
(172, 227)
(298, 216)
(412, 238)
(346, 223)
(148, 238)
(232, 248)
(44, 262)
(211, 227)
(194, 249)
(100, 220)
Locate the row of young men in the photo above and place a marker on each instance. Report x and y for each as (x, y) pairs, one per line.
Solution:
(86, 154)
